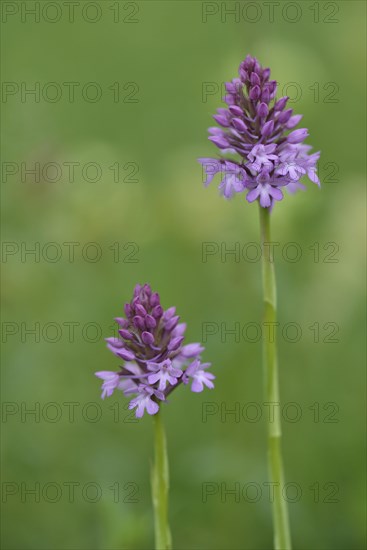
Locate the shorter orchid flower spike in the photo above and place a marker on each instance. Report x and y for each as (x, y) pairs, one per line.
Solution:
(155, 358)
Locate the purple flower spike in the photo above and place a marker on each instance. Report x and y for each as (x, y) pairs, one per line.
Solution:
(156, 361)
(256, 128)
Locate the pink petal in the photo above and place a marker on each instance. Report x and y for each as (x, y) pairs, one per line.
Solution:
(105, 374)
(197, 386)
(153, 378)
(264, 198)
(276, 193)
(253, 194)
(209, 384)
(152, 407)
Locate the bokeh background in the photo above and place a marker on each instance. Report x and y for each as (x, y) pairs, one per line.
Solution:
(170, 59)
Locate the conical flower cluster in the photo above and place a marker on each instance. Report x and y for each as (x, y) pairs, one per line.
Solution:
(155, 359)
(258, 129)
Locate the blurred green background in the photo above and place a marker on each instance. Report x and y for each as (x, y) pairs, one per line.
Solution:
(155, 129)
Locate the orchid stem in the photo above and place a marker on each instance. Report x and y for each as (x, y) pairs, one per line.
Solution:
(160, 486)
(282, 537)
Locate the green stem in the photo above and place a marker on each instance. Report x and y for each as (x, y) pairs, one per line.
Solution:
(160, 486)
(282, 537)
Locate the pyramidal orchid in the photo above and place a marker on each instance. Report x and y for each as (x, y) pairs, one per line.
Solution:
(154, 356)
(155, 361)
(261, 153)
(258, 130)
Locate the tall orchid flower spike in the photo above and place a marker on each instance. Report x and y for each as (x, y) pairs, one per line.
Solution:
(258, 131)
(155, 361)
(261, 153)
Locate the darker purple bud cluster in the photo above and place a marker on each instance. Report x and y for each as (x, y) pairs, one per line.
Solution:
(150, 343)
(258, 129)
